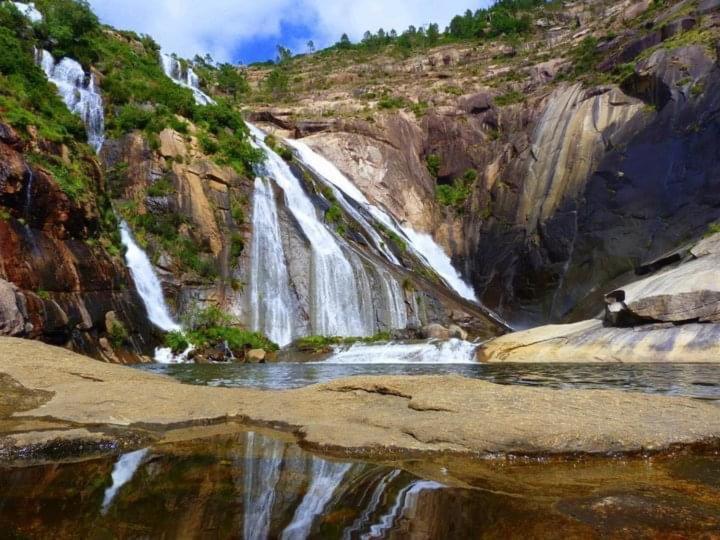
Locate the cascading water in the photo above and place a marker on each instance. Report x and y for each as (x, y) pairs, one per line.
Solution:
(184, 76)
(326, 478)
(454, 351)
(271, 299)
(150, 290)
(335, 302)
(79, 93)
(29, 10)
(148, 284)
(421, 244)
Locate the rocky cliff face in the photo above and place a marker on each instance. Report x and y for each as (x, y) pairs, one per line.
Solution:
(580, 177)
(189, 213)
(58, 281)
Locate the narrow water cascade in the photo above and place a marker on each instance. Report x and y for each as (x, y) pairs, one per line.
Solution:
(123, 472)
(271, 299)
(454, 351)
(79, 92)
(147, 283)
(335, 301)
(326, 478)
(396, 311)
(29, 10)
(30, 181)
(422, 244)
(184, 76)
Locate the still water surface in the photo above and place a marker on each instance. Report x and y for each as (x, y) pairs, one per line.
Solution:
(256, 485)
(694, 380)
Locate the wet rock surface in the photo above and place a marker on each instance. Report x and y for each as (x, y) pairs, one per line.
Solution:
(379, 416)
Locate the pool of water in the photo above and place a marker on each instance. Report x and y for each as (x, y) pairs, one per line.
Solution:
(257, 485)
(700, 381)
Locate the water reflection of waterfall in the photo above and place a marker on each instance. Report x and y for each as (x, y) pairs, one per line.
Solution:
(262, 466)
(123, 472)
(79, 92)
(405, 504)
(277, 478)
(326, 478)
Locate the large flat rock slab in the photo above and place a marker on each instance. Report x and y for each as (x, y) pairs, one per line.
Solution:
(590, 341)
(363, 416)
(690, 292)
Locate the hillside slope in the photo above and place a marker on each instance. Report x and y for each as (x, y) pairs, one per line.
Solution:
(552, 164)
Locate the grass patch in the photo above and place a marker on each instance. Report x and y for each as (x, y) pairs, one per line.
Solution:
(324, 344)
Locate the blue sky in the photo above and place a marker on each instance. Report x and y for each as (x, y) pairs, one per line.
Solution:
(250, 30)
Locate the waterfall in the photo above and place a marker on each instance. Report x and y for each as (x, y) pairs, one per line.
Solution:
(405, 503)
(263, 461)
(79, 93)
(396, 310)
(29, 10)
(185, 77)
(454, 351)
(421, 244)
(335, 302)
(147, 283)
(271, 300)
(123, 472)
(439, 261)
(326, 478)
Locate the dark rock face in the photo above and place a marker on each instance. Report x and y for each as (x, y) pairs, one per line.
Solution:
(57, 283)
(655, 186)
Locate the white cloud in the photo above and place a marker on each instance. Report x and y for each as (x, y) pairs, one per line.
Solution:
(221, 27)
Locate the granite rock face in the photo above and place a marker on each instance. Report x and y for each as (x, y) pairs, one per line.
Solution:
(671, 316)
(57, 279)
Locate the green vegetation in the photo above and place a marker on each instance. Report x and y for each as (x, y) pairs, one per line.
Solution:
(324, 344)
(164, 231)
(26, 97)
(393, 236)
(160, 188)
(279, 148)
(333, 215)
(433, 162)
(584, 58)
(510, 98)
(117, 333)
(713, 228)
(504, 18)
(212, 327)
(456, 194)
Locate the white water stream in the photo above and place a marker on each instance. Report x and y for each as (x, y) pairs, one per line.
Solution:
(29, 10)
(271, 298)
(184, 76)
(422, 244)
(79, 92)
(454, 351)
(335, 299)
